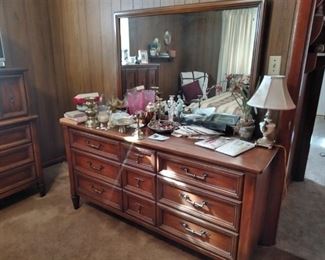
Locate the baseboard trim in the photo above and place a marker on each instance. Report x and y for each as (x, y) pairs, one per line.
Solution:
(53, 161)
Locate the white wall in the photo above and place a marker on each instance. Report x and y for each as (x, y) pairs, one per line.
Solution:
(321, 102)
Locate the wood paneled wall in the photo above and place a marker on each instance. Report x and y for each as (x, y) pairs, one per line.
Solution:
(68, 47)
(28, 44)
(144, 29)
(195, 37)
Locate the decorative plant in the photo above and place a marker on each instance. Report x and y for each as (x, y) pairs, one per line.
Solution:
(239, 88)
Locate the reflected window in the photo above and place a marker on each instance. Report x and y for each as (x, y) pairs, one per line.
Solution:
(125, 40)
(237, 42)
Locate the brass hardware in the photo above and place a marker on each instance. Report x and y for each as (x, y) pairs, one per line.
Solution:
(139, 158)
(96, 190)
(194, 176)
(95, 146)
(201, 233)
(12, 99)
(140, 207)
(139, 181)
(94, 167)
(193, 203)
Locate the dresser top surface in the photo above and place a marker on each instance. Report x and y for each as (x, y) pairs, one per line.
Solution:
(253, 161)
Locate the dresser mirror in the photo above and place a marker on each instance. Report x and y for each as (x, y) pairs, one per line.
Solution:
(217, 39)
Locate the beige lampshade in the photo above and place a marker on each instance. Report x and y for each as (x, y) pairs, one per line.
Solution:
(272, 94)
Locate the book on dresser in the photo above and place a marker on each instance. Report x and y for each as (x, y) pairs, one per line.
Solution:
(20, 164)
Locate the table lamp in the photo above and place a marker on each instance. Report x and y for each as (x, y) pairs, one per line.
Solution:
(272, 94)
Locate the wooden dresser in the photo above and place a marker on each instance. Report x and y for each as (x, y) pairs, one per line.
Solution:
(142, 74)
(217, 205)
(20, 164)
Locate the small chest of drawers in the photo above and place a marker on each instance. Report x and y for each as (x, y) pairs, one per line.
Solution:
(20, 164)
(212, 203)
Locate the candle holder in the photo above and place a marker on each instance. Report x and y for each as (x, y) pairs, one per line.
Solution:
(103, 118)
(91, 111)
(171, 104)
(138, 133)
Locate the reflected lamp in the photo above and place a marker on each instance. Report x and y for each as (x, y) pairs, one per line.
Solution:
(272, 94)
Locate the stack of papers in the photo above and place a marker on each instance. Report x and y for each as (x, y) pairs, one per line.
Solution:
(213, 143)
(76, 116)
(191, 130)
(232, 147)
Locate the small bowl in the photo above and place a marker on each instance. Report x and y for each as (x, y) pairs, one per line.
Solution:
(164, 127)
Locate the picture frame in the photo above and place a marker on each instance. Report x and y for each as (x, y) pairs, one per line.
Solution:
(143, 56)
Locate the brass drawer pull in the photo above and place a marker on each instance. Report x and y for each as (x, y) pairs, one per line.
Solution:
(193, 203)
(139, 158)
(201, 233)
(140, 207)
(139, 181)
(94, 167)
(96, 190)
(12, 99)
(95, 146)
(192, 175)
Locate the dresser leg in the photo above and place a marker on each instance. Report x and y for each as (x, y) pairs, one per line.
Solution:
(75, 201)
(41, 189)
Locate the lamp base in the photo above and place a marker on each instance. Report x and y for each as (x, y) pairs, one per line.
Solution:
(267, 128)
(265, 142)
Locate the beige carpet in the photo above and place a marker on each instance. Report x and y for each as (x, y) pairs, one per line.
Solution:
(49, 228)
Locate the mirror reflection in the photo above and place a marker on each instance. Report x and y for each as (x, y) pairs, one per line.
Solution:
(173, 50)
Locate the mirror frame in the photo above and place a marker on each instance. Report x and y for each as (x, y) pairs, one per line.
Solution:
(193, 8)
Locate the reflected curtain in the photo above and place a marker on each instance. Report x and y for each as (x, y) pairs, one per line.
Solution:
(237, 43)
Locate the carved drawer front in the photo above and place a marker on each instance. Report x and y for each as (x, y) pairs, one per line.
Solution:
(13, 136)
(16, 156)
(139, 181)
(202, 204)
(103, 193)
(98, 167)
(139, 157)
(95, 144)
(17, 177)
(201, 174)
(139, 207)
(217, 240)
(13, 99)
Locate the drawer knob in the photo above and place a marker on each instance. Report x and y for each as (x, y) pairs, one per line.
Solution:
(193, 203)
(201, 233)
(95, 146)
(194, 176)
(139, 181)
(95, 167)
(97, 190)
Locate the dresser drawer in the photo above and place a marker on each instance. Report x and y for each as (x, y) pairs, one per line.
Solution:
(202, 204)
(200, 174)
(13, 99)
(139, 207)
(98, 167)
(139, 157)
(14, 178)
(16, 156)
(95, 144)
(14, 136)
(103, 193)
(200, 233)
(138, 181)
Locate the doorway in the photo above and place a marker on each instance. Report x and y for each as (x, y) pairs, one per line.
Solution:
(316, 157)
